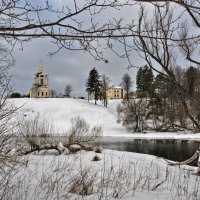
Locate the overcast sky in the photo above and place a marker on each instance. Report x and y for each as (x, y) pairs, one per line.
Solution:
(72, 67)
(66, 67)
(69, 67)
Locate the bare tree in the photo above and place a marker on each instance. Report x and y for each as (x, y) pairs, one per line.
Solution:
(38, 134)
(190, 6)
(66, 28)
(104, 87)
(81, 134)
(158, 39)
(68, 90)
(53, 93)
(63, 23)
(126, 84)
(8, 162)
(132, 115)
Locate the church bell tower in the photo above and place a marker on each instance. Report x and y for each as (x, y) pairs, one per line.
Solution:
(40, 87)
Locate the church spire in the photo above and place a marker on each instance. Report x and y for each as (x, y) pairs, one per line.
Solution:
(40, 67)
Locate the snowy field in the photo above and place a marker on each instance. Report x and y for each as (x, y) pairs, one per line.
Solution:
(116, 175)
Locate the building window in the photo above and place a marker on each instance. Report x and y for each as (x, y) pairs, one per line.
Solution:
(42, 93)
(41, 81)
(46, 94)
(38, 94)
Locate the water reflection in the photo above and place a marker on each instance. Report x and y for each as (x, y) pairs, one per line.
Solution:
(177, 150)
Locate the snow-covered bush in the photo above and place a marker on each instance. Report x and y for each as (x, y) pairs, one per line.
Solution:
(37, 131)
(38, 134)
(80, 133)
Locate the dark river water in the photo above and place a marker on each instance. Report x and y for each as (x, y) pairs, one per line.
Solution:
(177, 150)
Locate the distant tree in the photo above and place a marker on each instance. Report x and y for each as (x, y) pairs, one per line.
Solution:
(15, 95)
(53, 94)
(26, 95)
(68, 90)
(60, 95)
(104, 87)
(132, 115)
(127, 84)
(81, 97)
(144, 81)
(93, 84)
(162, 86)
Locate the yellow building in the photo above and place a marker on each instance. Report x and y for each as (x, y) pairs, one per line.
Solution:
(40, 87)
(115, 93)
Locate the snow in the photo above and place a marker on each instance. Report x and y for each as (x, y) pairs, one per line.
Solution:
(124, 175)
(62, 110)
(118, 175)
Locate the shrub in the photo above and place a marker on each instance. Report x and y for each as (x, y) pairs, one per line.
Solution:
(83, 184)
(80, 132)
(15, 95)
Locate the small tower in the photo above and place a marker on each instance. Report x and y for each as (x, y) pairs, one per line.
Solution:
(40, 68)
(40, 87)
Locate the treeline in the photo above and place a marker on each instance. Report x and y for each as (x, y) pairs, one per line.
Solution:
(160, 105)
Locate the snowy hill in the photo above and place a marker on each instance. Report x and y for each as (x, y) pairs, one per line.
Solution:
(62, 110)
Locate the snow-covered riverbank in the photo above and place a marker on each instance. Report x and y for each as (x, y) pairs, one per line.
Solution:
(117, 175)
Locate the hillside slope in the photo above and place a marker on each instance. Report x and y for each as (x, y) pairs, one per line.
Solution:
(62, 110)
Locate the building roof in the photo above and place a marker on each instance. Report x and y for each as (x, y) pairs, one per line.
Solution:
(117, 87)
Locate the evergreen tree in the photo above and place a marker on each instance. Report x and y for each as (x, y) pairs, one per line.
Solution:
(163, 86)
(93, 84)
(144, 81)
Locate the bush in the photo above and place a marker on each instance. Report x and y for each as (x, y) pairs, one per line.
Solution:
(83, 184)
(80, 132)
(38, 134)
(15, 95)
